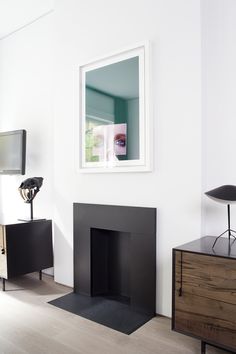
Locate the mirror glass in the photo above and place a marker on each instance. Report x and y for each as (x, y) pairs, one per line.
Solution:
(112, 112)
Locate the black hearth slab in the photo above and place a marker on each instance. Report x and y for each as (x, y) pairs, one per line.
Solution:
(113, 314)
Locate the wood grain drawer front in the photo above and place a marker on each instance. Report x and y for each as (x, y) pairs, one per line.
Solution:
(3, 255)
(207, 307)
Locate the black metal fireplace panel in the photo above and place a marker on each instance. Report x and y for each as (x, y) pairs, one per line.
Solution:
(143, 273)
(82, 258)
(139, 226)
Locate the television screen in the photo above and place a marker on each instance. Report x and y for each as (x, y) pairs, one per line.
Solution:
(12, 152)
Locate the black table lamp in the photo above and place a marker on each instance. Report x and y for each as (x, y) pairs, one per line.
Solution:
(224, 194)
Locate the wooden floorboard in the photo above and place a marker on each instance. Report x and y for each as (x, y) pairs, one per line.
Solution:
(28, 324)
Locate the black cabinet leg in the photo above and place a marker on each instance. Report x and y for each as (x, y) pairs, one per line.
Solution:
(3, 284)
(40, 275)
(203, 347)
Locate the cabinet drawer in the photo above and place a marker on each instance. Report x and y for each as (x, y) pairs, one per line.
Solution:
(207, 276)
(208, 319)
(207, 306)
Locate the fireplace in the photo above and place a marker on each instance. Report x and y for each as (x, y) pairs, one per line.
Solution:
(114, 265)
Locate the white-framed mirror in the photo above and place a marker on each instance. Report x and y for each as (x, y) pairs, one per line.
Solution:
(115, 127)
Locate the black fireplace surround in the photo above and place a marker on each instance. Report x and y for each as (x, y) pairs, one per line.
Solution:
(114, 265)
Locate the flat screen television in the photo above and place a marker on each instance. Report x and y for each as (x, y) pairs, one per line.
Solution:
(12, 152)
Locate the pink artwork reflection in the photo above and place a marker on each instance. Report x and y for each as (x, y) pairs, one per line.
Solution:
(109, 141)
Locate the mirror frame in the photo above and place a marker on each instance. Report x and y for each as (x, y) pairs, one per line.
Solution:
(143, 164)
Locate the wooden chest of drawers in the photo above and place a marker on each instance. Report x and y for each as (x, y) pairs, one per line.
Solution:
(204, 291)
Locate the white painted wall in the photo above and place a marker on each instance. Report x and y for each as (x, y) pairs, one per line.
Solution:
(26, 103)
(15, 14)
(84, 30)
(219, 108)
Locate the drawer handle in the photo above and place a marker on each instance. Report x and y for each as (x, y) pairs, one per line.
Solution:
(181, 274)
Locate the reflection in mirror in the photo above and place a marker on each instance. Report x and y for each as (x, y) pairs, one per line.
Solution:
(112, 112)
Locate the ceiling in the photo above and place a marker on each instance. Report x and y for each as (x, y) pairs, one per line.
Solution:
(120, 79)
(15, 14)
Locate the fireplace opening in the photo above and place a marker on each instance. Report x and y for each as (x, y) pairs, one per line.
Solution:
(110, 264)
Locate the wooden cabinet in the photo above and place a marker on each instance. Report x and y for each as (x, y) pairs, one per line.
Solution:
(25, 247)
(204, 291)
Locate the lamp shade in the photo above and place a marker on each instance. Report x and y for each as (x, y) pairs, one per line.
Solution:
(224, 194)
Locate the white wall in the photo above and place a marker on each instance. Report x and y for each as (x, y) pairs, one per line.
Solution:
(219, 107)
(15, 14)
(86, 30)
(26, 103)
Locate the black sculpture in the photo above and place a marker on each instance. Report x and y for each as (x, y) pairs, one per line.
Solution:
(29, 189)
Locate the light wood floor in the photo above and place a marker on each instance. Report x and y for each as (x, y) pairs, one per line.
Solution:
(28, 324)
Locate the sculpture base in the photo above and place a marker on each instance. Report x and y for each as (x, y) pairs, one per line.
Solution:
(29, 219)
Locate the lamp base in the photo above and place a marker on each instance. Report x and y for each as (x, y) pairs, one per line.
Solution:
(230, 234)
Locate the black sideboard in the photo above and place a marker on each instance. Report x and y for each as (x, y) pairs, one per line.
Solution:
(25, 247)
